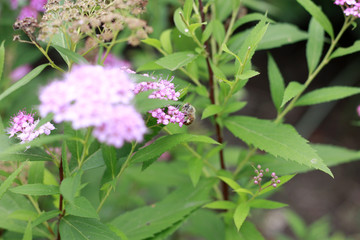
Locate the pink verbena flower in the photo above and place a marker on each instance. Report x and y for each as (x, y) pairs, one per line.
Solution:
(358, 110)
(23, 125)
(27, 12)
(95, 96)
(20, 72)
(38, 5)
(163, 89)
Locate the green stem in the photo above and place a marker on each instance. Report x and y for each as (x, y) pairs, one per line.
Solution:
(54, 157)
(251, 152)
(193, 36)
(123, 167)
(52, 64)
(197, 155)
(312, 76)
(229, 30)
(86, 147)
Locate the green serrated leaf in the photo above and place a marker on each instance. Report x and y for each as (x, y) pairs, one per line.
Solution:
(195, 170)
(251, 17)
(188, 5)
(248, 74)
(243, 190)
(60, 39)
(345, 51)
(327, 94)
(219, 34)
(152, 42)
(7, 183)
(234, 185)
(277, 86)
(207, 32)
(251, 43)
(165, 40)
(240, 214)
(78, 228)
(281, 34)
(220, 205)
(73, 56)
(145, 222)
(283, 180)
(23, 81)
(233, 107)
(36, 189)
(249, 231)
(2, 58)
(292, 89)
(70, 186)
(179, 23)
(149, 66)
(211, 110)
(318, 14)
(176, 60)
(28, 232)
(202, 91)
(277, 139)
(36, 172)
(266, 204)
(314, 44)
(15, 150)
(81, 207)
(194, 26)
(331, 155)
(45, 216)
(165, 143)
(110, 159)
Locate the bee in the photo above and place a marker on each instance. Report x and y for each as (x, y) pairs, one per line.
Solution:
(189, 112)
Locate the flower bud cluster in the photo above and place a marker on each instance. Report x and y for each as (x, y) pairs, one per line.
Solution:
(97, 19)
(350, 7)
(163, 89)
(260, 174)
(23, 126)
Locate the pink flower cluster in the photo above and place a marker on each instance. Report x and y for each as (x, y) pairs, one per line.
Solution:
(260, 174)
(23, 125)
(352, 7)
(163, 89)
(98, 97)
(31, 10)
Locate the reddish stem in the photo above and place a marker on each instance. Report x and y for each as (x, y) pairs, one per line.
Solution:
(212, 99)
(62, 211)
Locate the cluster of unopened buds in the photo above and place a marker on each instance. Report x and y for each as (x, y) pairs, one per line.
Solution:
(260, 174)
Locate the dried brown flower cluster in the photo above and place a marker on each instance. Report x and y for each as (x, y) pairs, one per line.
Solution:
(28, 25)
(100, 20)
